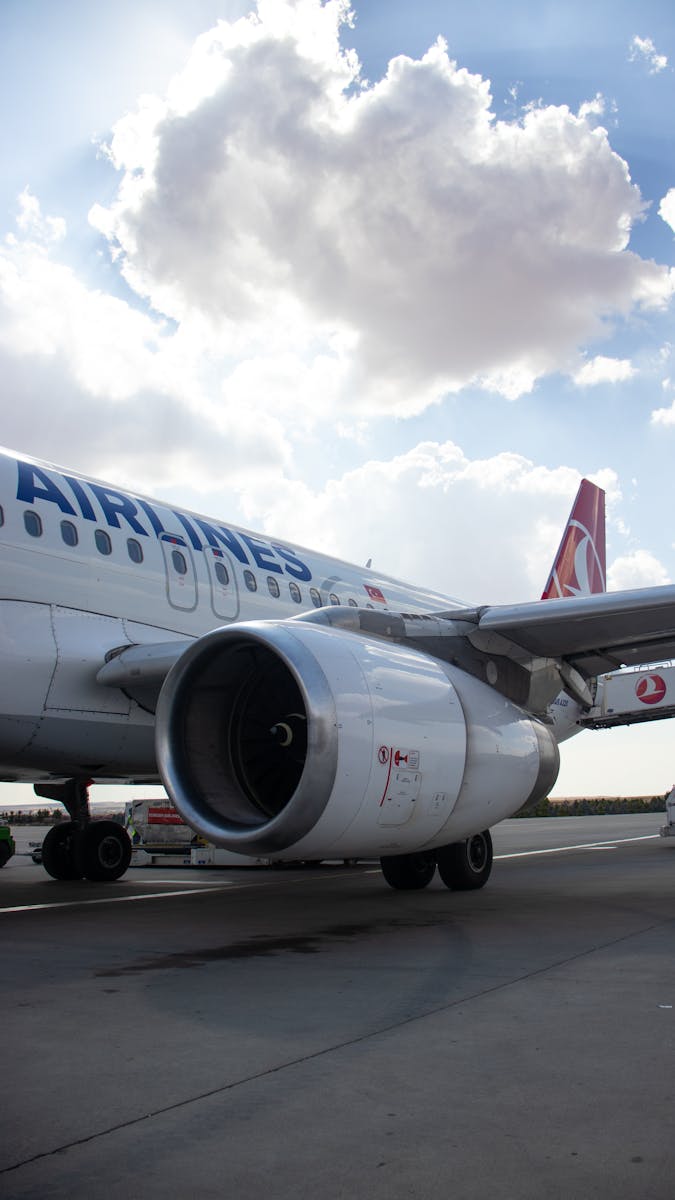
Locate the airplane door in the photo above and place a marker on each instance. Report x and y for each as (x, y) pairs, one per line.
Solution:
(181, 579)
(223, 581)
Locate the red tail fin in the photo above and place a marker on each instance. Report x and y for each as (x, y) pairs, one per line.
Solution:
(579, 568)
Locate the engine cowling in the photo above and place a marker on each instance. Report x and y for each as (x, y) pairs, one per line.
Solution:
(295, 740)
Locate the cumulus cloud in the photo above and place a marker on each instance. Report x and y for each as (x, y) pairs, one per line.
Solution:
(604, 370)
(482, 530)
(637, 569)
(397, 229)
(667, 208)
(643, 50)
(92, 382)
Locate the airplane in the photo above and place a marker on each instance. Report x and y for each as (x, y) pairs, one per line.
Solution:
(294, 706)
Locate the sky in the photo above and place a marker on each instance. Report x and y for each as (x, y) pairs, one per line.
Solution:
(384, 280)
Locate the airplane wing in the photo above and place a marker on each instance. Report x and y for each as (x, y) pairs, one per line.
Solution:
(594, 634)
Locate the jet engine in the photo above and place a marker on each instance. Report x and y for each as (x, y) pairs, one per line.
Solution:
(294, 740)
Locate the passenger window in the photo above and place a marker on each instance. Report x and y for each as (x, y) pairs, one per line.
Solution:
(32, 523)
(221, 573)
(296, 594)
(103, 543)
(179, 562)
(273, 585)
(316, 597)
(2, 516)
(352, 602)
(69, 533)
(333, 598)
(135, 550)
(250, 581)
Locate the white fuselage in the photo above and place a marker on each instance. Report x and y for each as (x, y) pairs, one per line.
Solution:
(87, 568)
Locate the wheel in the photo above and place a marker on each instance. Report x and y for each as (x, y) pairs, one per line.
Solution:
(409, 872)
(465, 866)
(62, 851)
(5, 853)
(107, 850)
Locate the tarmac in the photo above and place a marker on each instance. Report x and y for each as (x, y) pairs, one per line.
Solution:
(303, 1033)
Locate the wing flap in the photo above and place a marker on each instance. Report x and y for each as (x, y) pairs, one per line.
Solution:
(594, 633)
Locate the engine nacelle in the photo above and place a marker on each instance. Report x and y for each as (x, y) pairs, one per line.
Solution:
(295, 740)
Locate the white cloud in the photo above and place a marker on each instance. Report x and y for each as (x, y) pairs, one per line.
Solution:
(637, 569)
(604, 370)
(643, 49)
(667, 208)
(482, 530)
(91, 381)
(280, 197)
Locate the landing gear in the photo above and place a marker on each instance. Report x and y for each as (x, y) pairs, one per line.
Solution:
(409, 872)
(81, 848)
(107, 850)
(465, 866)
(62, 851)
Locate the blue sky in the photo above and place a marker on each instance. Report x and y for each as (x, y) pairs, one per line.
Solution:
(338, 280)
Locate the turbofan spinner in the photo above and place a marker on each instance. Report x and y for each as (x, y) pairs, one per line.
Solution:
(299, 741)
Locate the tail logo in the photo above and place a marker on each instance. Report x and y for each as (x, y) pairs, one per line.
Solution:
(579, 563)
(651, 689)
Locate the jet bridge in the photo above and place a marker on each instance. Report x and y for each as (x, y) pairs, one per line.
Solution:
(632, 696)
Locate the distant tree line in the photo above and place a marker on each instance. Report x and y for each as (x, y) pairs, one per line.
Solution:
(45, 816)
(596, 806)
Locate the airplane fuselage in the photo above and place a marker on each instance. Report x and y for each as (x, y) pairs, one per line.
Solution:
(87, 568)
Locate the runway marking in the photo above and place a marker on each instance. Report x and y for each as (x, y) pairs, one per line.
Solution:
(230, 886)
(14, 908)
(645, 837)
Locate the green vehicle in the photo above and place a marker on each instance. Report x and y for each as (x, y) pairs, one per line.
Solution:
(7, 844)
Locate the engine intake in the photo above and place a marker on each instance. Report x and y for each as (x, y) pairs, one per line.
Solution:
(293, 739)
(246, 741)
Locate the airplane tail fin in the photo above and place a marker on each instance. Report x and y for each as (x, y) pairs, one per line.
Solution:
(579, 567)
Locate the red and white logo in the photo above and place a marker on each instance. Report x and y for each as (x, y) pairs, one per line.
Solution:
(651, 689)
(579, 568)
(375, 593)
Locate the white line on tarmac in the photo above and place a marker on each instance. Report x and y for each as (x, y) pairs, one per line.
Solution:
(645, 837)
(232, 886)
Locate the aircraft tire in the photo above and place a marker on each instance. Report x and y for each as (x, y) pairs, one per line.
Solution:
(61, 851)
(5, 853)
(107, 851)
(466, 866)
(409, 872)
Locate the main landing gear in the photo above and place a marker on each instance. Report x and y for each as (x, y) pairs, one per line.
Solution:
(463, 866)
(81, 848)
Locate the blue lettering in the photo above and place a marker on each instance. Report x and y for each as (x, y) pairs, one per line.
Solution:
(214, 535)
(293, 566)
(154, 519)
(116, 505)
(82, 498)
(187, 526)
(261, 553)
(35, 484)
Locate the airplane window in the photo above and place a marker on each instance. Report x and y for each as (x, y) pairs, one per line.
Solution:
(135, 550)
(2, 516)
(273, 585)
(352, 602)
(296, 594)
(316, 597)
(221, 573)
(32, 523)
(333, 598)
(179, 562)
(69, 533)
(103, 543)
(250, 581)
